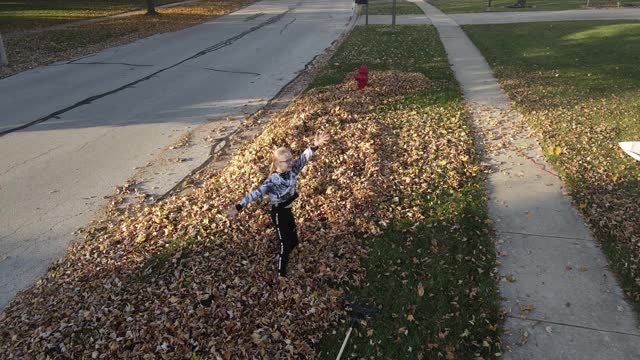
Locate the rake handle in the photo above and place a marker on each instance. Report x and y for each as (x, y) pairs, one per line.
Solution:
(344, 343)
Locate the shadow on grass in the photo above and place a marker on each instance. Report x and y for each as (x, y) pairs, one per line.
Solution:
(381, 49)
(450, 254)
(578, 85)
(564, 61)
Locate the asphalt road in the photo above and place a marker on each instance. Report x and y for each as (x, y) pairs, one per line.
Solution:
(72, 131)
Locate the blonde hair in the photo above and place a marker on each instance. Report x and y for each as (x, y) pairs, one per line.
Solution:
(277, 154)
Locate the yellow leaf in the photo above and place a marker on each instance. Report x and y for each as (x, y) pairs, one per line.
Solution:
(420, 289)
(527, 308)
(141, 238)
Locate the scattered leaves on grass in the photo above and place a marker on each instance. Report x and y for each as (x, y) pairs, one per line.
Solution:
(579, 118)
(178, 278)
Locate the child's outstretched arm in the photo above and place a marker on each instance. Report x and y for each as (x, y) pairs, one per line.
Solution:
(252, 196)
(318, 140)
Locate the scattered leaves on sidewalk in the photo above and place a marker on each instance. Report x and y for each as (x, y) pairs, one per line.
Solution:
(579, 118)
(527, 308)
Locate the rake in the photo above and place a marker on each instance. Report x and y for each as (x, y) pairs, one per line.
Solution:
(358, 312)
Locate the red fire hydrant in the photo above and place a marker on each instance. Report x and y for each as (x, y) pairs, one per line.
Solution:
(362, 77)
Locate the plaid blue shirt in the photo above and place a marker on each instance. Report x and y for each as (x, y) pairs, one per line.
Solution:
(280, 186)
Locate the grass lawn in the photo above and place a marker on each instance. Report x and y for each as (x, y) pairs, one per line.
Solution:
(26, 51)
(16, 15)
(450, 252)
(386, 8)
(578, 86)
(392, 214)
(471, 6)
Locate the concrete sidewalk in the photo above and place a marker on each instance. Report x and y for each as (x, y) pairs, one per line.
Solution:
(561, 300)
(539, 16)
(415, 19)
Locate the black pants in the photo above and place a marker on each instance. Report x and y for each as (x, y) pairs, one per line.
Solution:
(285, 226)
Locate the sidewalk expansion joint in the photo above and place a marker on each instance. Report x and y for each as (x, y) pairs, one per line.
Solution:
(542, 235)
(575, 326)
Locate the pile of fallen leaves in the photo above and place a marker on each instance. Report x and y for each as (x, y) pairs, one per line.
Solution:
(179, 278)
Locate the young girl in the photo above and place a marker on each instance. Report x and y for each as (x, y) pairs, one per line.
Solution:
(281, 188)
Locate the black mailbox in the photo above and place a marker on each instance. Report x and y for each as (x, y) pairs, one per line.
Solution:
(362, 2)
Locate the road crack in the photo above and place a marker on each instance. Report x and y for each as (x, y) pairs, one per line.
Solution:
(107, 63)
(210, 49)
(287, 25)
(234, 72)
(31, 159)
(254, 16)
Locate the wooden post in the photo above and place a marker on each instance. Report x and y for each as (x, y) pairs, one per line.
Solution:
(3, 53)
(393, 18)
(367, 16)
(151, 7)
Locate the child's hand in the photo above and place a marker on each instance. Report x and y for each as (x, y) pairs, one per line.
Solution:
(232, 211)
(320, 139)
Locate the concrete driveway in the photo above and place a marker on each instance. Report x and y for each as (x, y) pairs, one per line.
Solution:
(70, 132)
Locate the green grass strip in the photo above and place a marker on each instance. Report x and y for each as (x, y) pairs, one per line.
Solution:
(451, 253)
(474, 6)
(386, 8)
